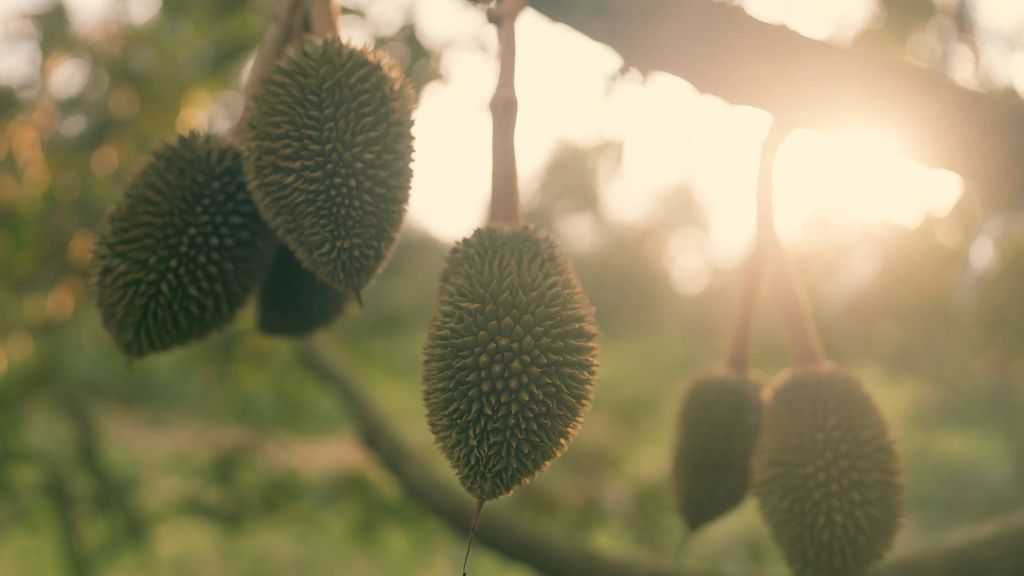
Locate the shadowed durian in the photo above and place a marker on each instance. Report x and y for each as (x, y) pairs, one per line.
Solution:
(715, 437)
(328, 158)
(293, 301)
(510, 358)
(827, 476)
(183, 249)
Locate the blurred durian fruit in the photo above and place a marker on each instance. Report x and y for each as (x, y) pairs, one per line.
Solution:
(826, 474)
(293, 301)
(328, 155)
(183, 249)
(510, 358)
(715, 437)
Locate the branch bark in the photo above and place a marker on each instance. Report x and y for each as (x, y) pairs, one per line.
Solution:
(992, 549)
(542, 549)
(804, 83)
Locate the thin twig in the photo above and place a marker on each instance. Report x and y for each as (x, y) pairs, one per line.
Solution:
(504, 108)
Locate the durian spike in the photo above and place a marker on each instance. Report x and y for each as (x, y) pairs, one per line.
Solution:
(805, 346)
(504, 108)
(472, 533)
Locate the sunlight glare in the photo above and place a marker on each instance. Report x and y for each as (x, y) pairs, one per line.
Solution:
(688, 269)
(562, 83)
(672, 137)
(859, 177)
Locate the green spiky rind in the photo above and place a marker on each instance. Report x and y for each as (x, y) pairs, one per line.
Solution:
(715, 437)
(510, 358)
(182, 251)
(827, 476)
(328, 157)
(293, 301)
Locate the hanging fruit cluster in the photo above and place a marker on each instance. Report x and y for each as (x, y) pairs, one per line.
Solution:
(813, 448)
(307, 207)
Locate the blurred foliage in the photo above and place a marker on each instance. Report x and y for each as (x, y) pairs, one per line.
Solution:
(228, 458)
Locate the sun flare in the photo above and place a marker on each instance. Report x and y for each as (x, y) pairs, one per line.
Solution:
(672, 137)
(856, 177)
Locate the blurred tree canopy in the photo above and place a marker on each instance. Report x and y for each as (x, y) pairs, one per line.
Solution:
(229, 458)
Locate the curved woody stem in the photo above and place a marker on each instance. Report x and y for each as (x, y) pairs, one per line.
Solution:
(806, 350)
(504, 108)
(738, 360)
(287, 17)
(323, 19)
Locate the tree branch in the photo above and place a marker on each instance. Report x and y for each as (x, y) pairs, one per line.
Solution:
(545, 550)
(721, 50)
(78, 560)
(992, 549)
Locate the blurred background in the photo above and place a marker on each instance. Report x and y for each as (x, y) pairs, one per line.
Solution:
(227, 457)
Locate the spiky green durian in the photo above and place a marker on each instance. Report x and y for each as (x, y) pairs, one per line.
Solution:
(827, 476)
(715, 436)
(183, 249)
(293, 301)
(328, 156)
(510, 358)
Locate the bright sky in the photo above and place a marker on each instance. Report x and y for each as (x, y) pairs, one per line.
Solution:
(672, 135)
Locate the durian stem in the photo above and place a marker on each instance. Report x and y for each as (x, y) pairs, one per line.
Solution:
(281, 29)
(806, 350)
(323, 19)
(472, 533)
(504, 108)
(738, 361)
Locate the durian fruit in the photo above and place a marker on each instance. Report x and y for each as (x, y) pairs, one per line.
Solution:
(183, 249)
(715, 437)
(510, 358)
(827, 476)
(293, 301)
(328, 155)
